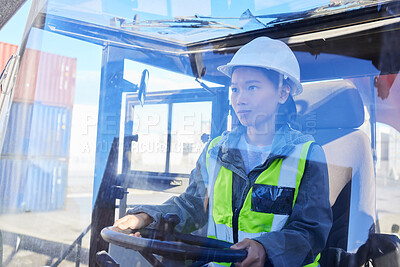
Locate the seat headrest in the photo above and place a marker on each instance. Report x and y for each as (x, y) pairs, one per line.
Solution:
(329, 105)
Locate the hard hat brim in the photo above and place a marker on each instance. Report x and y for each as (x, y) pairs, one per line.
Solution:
(295, 87)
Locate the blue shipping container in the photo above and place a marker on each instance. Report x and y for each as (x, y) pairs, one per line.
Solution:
(50, 131)
(16, 140)
(38, 130)
(12, 182)
(46, 185)
(32, 184)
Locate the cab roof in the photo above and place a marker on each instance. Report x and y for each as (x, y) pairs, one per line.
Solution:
(354, 31)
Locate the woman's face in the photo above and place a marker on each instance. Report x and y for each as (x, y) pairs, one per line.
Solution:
(254, 98)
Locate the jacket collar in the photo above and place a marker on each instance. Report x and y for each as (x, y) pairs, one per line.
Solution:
(284, 142)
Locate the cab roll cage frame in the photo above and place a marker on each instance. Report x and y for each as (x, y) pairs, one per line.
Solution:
(316, 41)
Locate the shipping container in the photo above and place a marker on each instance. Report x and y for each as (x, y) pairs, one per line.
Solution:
(46, 185)
(12, 181)
(36, 184)
(38, 130)
(25, 85)
(46, 78)
(6, 51)
(50, 132)
(55, 83)
(16, 141)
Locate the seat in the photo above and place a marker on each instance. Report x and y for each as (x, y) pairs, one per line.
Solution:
(332, 111)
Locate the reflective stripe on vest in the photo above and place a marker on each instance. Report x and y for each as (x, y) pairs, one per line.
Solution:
(285, 172)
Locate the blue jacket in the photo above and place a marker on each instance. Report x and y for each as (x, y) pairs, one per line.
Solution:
(307, 229)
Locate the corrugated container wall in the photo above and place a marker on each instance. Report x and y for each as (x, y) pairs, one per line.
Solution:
(25, 85)
(46, 78)
(46, 185)
(36, 184)
(37, 130)
(16, 140)
(55, 83)
(12, 184)
(50, 131)
(6, 51)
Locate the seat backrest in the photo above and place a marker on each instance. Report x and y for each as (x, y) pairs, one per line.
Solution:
(332, 112)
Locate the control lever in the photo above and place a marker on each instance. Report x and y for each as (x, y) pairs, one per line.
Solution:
(167, 225)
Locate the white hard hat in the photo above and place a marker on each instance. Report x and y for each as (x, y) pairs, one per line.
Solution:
(271, 54)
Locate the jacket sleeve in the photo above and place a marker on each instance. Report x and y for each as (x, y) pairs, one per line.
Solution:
(190, 206)
(307, 229)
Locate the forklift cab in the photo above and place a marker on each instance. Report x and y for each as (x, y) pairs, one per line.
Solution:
(109, 105)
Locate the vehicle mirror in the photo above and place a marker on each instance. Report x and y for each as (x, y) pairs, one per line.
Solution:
(143, 86)
(203, 72)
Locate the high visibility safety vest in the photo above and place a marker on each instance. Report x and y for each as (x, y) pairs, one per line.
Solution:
(268, 203)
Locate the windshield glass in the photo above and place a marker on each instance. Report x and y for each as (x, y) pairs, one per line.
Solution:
(120, 106)
(194, 21)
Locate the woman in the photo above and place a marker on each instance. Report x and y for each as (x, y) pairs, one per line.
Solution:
(262, 186)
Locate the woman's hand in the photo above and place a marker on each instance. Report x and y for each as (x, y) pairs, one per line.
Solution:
(255, 253)
(135, 221)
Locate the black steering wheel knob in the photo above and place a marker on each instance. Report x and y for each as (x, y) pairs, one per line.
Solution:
(167, 225)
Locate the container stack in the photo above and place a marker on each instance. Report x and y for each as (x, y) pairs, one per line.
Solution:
(35, 154)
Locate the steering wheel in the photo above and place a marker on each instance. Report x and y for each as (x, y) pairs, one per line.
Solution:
(170, 244)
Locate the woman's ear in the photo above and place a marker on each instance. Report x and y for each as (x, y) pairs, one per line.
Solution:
(284, 93)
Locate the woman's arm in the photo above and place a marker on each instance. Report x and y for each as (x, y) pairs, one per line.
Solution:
(189, 206)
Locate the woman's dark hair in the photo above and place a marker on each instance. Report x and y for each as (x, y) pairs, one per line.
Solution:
(287, 111)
